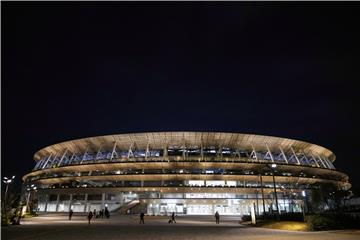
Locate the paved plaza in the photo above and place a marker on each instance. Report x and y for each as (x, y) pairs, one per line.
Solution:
(57, 226)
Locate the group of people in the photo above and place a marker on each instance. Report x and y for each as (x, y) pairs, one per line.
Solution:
(101, 213)
(94, 214)
(172, 219)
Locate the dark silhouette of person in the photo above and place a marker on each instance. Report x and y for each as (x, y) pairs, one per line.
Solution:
(142, 218)
(102, 213)
(217, 217)
(173, 217)
(94, 213)
(90, 215)
(71, 214)
(107, 213)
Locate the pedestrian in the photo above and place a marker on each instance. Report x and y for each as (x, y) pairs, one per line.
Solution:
(94, 213)
(173, 217)
(70, 214)
(217, 217)
(107, 213)
(102, 213)
(90, 215)
(142, 218)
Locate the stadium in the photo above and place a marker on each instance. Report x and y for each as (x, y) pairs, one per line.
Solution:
(192, 173)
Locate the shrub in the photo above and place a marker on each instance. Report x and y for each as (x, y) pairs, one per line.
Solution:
(245, 218)
(4, 220)
(320, 222)
(332, 221)
(282, 217)
(292, 217)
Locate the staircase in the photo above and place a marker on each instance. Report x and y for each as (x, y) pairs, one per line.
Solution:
(128, 206)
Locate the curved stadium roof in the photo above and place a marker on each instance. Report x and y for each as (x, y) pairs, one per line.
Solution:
(158, 140)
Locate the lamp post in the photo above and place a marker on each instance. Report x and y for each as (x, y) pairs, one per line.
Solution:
(7, 181)
(32, 187)
(273, 167)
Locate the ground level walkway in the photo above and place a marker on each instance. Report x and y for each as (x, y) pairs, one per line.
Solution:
(57, 226)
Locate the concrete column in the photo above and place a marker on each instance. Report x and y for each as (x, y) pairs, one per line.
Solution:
(257, 203)
(283, 195)
(86, 202)
(165, 154)
(262, 194)
(121, 198)
(103, 201)
(70, 202)
(57, 202)
(46, 202)
(184, 154)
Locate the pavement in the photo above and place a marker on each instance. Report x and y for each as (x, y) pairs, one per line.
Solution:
(57, 226)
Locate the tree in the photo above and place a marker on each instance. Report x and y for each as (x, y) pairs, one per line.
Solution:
(12, 206)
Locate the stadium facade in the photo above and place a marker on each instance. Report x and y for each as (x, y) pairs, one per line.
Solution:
(183, 172)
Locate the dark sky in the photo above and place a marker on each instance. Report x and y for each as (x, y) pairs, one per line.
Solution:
(74, 70)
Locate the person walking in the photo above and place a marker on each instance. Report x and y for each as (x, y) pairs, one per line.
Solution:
(107, 213)
(217, 217)
(142, 218)
(90, 215)
(71, 214)
(173, 217)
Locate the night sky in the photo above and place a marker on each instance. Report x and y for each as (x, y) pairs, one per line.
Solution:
(74, 70)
